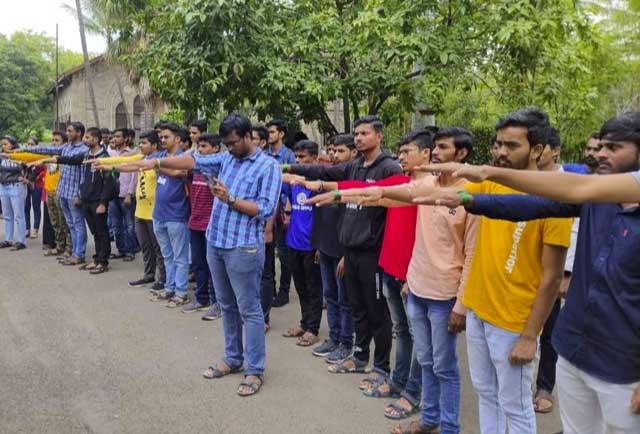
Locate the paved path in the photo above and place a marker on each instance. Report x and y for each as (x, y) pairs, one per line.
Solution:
(87, 354)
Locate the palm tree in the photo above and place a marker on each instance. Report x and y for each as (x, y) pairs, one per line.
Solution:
(87, 65)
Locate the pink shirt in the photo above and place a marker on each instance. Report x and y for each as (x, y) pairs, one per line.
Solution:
(442, 253)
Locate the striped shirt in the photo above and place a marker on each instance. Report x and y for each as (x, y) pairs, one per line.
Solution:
(256, 178)
(71, 176)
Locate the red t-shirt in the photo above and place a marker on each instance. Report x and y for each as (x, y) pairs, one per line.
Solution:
(399, 230)
(201, 203)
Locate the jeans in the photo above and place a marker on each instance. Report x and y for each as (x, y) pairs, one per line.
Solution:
(503, 389)
(306, 277)
(77, 228)
(407, 374)
(435, 349)
(589, 405)
(98, 226)
(268, 281)
(548, 357)
(34, 199)
(123, 225)
(13, 197)
(280, 233)
(363, 280)
(338, 309)
(204, 291)
(173, 238)
(236, 277)
(60, 228)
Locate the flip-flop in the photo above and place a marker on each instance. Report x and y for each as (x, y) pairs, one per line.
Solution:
(541, 396)
(254, 386)
(342, 368)
(400, 412)
(217, 373)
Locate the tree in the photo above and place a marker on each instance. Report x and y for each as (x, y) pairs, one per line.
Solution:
(87, 64)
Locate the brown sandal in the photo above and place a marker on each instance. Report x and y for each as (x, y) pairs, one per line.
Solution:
(415, 427)
(294, 332)
(543, 402)
(307, 339)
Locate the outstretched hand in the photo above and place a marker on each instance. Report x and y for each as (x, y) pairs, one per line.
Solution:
(290, 178)
(458, 170)
(321, 199)
(439, 197)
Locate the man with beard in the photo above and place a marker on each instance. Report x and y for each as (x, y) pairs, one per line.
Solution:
(591, 150)
(596, 334)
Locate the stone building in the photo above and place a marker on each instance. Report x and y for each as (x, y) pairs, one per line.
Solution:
(139, 110)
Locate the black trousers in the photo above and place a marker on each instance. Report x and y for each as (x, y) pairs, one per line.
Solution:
(548, 357)
(308, 282)
(280, 234)
(151, 253)
(48, 234)
(363, 280)
(98, 226)
(268, 283)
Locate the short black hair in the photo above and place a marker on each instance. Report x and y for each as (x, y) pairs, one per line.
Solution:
(62, 135)
(307, 145)
(462, 138)
(213, 139)
(12, 140)
(174, 128)
(594, 135)
(151, 136)
(279, 124)
(262, 131)
(200, 124)
(105, 131)
(533, 119)
(374, 121)
(159, 124)
(78, 126)
(623, 128)
(124, 131)
(131, 133)
(422, 138)
(344, 140)
(554, 140)
(94, 132)
(184, 136)
(235, 122)
(35, 139)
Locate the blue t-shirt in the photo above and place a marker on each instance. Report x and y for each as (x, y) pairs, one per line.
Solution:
(172, 203)
(576, 168)
(301, 223)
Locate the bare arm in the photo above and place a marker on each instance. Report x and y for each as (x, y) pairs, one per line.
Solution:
(553, 258)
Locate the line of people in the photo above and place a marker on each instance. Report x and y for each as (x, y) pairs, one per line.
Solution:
(418, 249)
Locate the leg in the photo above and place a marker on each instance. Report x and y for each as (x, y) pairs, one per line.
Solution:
(27, 210)
(546, 379)
(148, 254)
(48, 234)
(55, 217)
(355, 294)
(244, 268)
(36, 201)
(314, 292)
(131, 242)
(162, 235)
(116, 213)
(7, 213)
(377, 312)
(283, 255)
(346, 317)
(580, 410)
(330, 288)
(64, 226)
(268, 281)
(404, 342)
(179, 238)
(66, 205)
(81, 232)
(89, 210)
(18, 196)
(101, 236)
(296, 265)
(199, 265)
(614, 402)
(484, 378)
(231, 320)
(160, 268)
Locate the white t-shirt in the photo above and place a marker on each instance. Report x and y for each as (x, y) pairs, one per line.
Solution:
(571, 251)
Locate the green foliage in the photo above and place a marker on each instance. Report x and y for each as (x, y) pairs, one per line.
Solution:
(27, 62)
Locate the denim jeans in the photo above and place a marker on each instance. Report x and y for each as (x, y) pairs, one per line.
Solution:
(504, 390)
(33, 200)
(338, 309)
(13, 197)
(77, 227)
(123, 225)
(407, 373)
(204, 291)
(236, 276)
(173, 238)
(435, 349)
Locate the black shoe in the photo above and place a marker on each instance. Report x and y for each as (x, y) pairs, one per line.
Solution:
(143, 281)
(18, 246)
(281, 299)
(157, 287)
(5, 244)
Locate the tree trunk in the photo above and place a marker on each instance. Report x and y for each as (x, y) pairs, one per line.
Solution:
(87, 66)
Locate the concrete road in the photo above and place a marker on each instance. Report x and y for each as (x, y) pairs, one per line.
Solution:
(88, 354)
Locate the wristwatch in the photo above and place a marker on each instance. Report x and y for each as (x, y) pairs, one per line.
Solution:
(231, 201)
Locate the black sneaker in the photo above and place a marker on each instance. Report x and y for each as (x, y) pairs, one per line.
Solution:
(143, 281)
(340, 354)
(18, 246)
(157, 287)
(281, 299)
(5, 244)
(324, 349)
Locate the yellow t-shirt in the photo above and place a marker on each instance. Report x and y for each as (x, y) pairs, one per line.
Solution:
(51, 178)
(507, 264)
(145, 194)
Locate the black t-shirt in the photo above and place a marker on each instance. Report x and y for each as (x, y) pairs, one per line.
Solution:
(326, 226)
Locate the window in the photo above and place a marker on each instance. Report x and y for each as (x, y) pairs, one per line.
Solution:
(121, 116)
(138, 114)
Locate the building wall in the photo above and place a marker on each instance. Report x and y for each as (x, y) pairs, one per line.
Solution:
(75, 102)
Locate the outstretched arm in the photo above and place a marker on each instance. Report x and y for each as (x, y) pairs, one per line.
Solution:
(561, 186)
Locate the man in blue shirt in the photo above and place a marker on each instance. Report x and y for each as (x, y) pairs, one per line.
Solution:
(278, 150)
(304, 268)
(71, 177)
(246, 184)
(596, 334)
